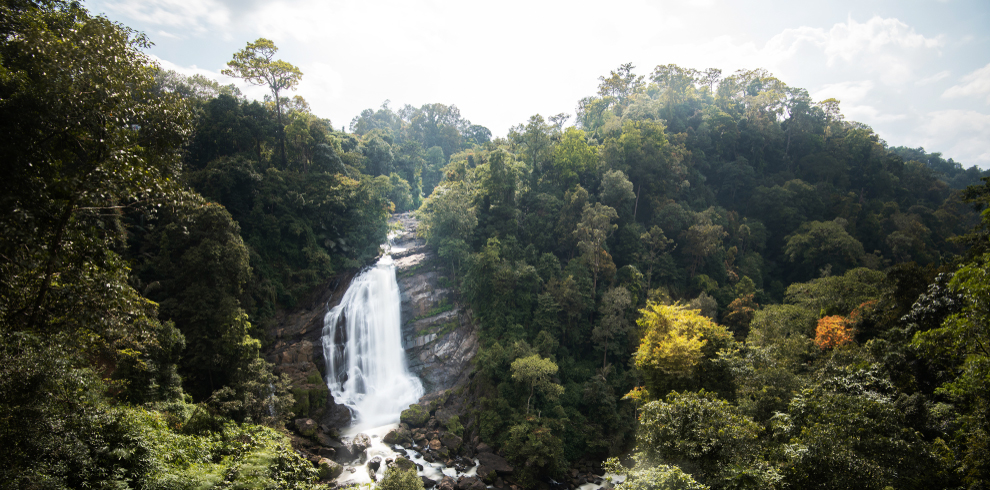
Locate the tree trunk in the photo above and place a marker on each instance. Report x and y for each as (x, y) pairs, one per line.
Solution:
(636, 204)
(55, 247)
(281, 130)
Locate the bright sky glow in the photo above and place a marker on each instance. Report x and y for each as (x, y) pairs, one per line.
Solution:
(917, 71)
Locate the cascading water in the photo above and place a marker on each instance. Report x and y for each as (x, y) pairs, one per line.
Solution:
(362, 345)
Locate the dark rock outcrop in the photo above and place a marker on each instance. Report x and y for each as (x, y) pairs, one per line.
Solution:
(451, 441)
(491, 465)
(448, 483)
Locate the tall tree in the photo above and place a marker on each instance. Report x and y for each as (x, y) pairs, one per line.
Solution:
(595, 227)
(256, 64)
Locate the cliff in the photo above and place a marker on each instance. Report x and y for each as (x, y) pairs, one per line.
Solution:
(439, 337)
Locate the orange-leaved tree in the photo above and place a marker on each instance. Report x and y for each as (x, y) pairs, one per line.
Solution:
(833, 331)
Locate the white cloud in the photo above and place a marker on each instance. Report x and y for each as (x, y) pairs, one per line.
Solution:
(934, 78)
(848, 92)
(194, 15)
(886, 47)
(960, 134)
(976, 83)
(851, 39)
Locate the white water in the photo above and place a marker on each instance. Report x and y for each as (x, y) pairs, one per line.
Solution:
(362, 345)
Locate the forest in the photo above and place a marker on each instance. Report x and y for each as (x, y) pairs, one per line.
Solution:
(704, 281)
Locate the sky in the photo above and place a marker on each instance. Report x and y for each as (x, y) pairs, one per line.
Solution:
(917, 71)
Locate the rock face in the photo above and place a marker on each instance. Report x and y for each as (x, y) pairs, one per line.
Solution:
(439, 337)
(491, 465)
(297, 352)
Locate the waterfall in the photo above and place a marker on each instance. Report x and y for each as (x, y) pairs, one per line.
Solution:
(362, 346)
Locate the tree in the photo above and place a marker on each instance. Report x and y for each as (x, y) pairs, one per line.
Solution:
(966, 335)
(595, 227)
(817, 244)
(675, 340)
(536, 372)
(572, 157)
(703, 239)
(398, 479)
(706, 437)
(655, 243)
(85, 135)
(616, 189)
(832, 331)
(613, 322)
(256, 64)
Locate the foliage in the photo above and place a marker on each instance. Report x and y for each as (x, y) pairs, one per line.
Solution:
(256, 64)
(677, 343)
(399, 479)
(833, 331)
(703, 435)
(536, 372)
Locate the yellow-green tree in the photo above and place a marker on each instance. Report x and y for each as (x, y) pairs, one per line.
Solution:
(674, 343)
(536, 372)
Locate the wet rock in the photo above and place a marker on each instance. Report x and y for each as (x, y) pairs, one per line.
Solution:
(360, 443)
(491, 466)
(375, 463)
(451, 441)
(324, 439)
(470, 483)
(428, 483)
(306, 427)
(326, 452)
(398, 436)
(448, 483)
(334, 415)
(329, 469)
(499, 483)
(414, 416)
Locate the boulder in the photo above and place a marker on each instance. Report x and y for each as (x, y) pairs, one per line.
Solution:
(491, 466)
(470, 483)
(448, 483)
(329, 469)
(375, 463)
(326, 452)
(306, 427)
(324, 439)
(451, 441)
(415, 416)
(360, 443)
(435, 445)
(428, 483)
(483, 448)
(404, 464)
(398, 436)
(334, 415)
